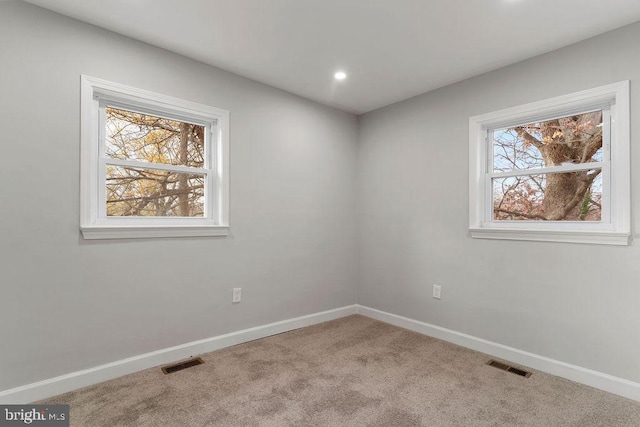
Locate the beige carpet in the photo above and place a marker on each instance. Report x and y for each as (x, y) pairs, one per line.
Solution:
(353, 371)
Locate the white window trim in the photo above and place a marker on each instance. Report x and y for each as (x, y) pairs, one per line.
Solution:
(95, 226)
(614, 231)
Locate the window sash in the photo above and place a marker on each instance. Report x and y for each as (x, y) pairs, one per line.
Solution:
(605, 215)
(604, 166)
(210, 169)
(606, 135)
(605, 209)
(211, 181)
(211, 131)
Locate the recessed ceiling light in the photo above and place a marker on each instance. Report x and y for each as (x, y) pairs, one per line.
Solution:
(340, 75)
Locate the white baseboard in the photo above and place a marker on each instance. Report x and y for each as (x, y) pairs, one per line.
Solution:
(64, 383)
(599, 380)
(75, 380)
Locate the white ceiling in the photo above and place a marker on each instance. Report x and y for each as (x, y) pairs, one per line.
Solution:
(391, 49)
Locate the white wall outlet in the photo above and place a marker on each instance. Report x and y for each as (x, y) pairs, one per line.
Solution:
(237, 295)
(436, 291)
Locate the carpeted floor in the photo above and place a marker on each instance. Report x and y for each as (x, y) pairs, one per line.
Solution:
(354, 371)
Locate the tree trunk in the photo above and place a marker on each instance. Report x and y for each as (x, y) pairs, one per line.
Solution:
(183, 181)
(574, 140)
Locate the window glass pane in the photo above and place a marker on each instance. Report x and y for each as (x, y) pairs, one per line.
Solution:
(146, 138)
(573, 196)
(597, 157)
(152, 192)
(571, 139)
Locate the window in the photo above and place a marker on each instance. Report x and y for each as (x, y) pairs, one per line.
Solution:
(555, 170)
(152, 165)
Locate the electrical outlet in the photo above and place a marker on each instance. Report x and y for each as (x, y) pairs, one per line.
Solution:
(237, 295)
(436, 291)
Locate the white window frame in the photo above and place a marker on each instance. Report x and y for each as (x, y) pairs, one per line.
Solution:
(94, 223)
(614, 228)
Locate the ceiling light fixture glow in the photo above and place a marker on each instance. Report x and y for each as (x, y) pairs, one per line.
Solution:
(340, 75)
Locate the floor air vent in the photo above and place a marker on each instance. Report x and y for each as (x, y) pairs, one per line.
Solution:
(508, 368)
(182, 365)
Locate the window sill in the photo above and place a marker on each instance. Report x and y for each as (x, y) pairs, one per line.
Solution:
(563, 236)
(145, 232)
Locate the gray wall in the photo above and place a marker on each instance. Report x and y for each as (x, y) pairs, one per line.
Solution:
(67, 304)
(574, 303)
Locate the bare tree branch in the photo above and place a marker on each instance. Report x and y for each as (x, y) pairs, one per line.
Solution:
(522, 214)
(528, 137)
